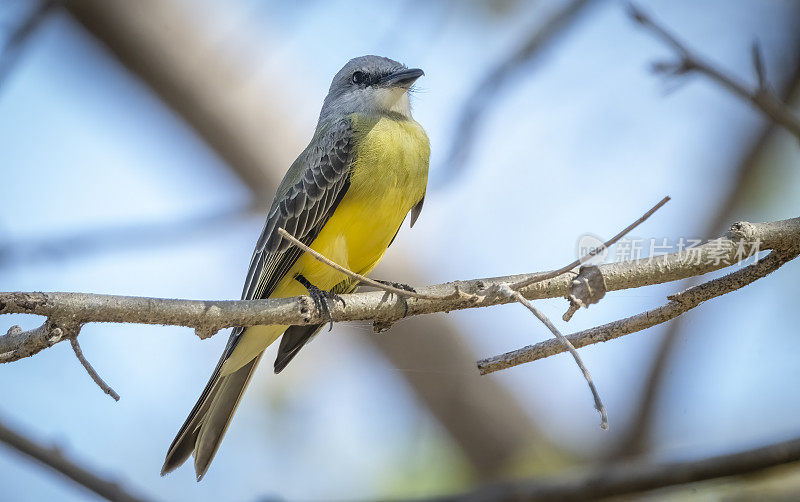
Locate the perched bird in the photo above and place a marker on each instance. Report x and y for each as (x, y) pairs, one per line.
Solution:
(346, 197)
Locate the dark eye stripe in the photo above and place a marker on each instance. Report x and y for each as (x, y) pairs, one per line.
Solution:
(368, 78)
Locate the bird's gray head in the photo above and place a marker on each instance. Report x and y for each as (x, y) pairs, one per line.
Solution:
(370, 84)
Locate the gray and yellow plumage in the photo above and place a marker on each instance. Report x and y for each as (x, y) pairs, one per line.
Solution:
(345, 196)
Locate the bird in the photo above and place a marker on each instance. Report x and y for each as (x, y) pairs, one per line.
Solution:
(345, 196)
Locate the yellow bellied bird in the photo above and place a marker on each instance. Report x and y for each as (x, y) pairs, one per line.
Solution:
(346, 197)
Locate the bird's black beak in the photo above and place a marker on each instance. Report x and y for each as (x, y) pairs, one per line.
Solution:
(402, 78)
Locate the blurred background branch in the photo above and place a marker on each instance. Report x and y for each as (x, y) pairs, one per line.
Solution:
(15, 42)
(160, 42)
(541, 38)
(54, 458)
(762, 96)
(626, 478)
(117, 238)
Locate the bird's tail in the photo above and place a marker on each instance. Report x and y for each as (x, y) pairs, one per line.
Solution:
(202, 432)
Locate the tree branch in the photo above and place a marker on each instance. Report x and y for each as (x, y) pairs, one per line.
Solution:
(762, 96)
(53, 458)
(633, 477)
(208, 317)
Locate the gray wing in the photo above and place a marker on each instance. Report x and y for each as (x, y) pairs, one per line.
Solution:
(305, 200)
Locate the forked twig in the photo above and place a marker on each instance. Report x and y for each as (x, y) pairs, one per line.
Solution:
(688, 61)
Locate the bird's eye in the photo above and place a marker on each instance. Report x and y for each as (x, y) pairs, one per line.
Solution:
(358, 77)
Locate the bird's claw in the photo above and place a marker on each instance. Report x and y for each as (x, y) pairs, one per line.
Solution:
(321, 299)
(404, 287)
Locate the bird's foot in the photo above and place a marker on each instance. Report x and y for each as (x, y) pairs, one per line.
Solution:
(321, 297)
(399, 285)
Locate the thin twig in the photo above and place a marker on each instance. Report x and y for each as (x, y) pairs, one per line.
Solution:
(89, 369)
(588, 256)
(353, 275)
(598, 404)
(53, 458)
(762, 97)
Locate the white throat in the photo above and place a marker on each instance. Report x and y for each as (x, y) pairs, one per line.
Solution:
(394, 99)
(402, 105)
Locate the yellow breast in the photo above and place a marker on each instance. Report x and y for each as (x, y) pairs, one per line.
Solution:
(388, 178)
